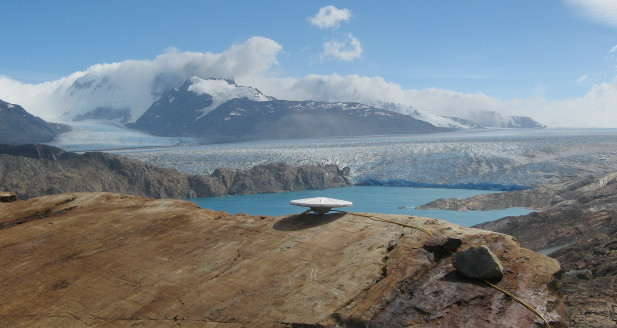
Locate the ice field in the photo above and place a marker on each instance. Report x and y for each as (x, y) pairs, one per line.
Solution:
(498, 156)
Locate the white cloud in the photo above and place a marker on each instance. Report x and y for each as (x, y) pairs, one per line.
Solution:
(372, 90)
(134, 84)
(595, 109)
(601, 11)
(347, 50)
(582, 79)
(613, 49)
(330, 17)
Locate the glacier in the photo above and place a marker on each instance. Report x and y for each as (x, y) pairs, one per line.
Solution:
(94, 136)
(496, 158)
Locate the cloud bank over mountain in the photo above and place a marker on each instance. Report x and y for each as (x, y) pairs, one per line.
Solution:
(136, 84)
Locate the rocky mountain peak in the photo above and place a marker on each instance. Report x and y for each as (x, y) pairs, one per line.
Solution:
(223, 90)
(219, 110)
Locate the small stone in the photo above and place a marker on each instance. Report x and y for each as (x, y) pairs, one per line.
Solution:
(452, 244)
(478, 262)
(439, 242)
(434, 243)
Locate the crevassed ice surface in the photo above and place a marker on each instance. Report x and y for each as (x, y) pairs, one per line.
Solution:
(524, 157)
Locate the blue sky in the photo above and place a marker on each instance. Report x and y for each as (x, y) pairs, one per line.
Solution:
(524, 49)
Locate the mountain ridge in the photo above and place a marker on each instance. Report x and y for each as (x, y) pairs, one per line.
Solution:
(191, 111)
(17, 126)
(179, 107)
(36, 170)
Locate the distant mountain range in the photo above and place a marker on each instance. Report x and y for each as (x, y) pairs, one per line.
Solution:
(483, 119)
(219, 110)
(17, 126)
(92, 97)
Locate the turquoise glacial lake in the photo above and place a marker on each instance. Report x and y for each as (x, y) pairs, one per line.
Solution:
(371, 199)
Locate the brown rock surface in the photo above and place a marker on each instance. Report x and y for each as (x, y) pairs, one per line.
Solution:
(110, 260)
(578, 227)
(588, 257)
(590, 280)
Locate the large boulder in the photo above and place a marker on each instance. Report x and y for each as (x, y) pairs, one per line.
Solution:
(478, 262)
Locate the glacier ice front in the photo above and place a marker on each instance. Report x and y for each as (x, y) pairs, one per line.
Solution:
(321, 205)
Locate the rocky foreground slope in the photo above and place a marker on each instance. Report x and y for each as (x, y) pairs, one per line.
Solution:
(578, 227)
(35, 170)
(111, 260)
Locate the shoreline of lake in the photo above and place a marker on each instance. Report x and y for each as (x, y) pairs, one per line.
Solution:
(372, 199)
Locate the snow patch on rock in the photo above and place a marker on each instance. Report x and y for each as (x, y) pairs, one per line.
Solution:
(222, 91)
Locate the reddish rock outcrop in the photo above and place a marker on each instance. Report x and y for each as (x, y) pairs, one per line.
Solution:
(578, 227)
(111, 260)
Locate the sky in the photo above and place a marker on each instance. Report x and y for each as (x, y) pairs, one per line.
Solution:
(553, 60)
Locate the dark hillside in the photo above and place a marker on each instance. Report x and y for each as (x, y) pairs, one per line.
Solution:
(17, 126)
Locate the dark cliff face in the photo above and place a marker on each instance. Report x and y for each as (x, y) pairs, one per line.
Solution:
(275, 177)
(17, 126)
(35, 170)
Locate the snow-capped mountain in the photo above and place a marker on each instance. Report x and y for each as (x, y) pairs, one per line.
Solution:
(481, 119)
(423, 115)
(123, 91)
(221, 91)
(522, 122)
(220, 110)
(180, 108)
(137, 83)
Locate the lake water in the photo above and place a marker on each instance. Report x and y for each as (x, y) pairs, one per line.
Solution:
(372, 199)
